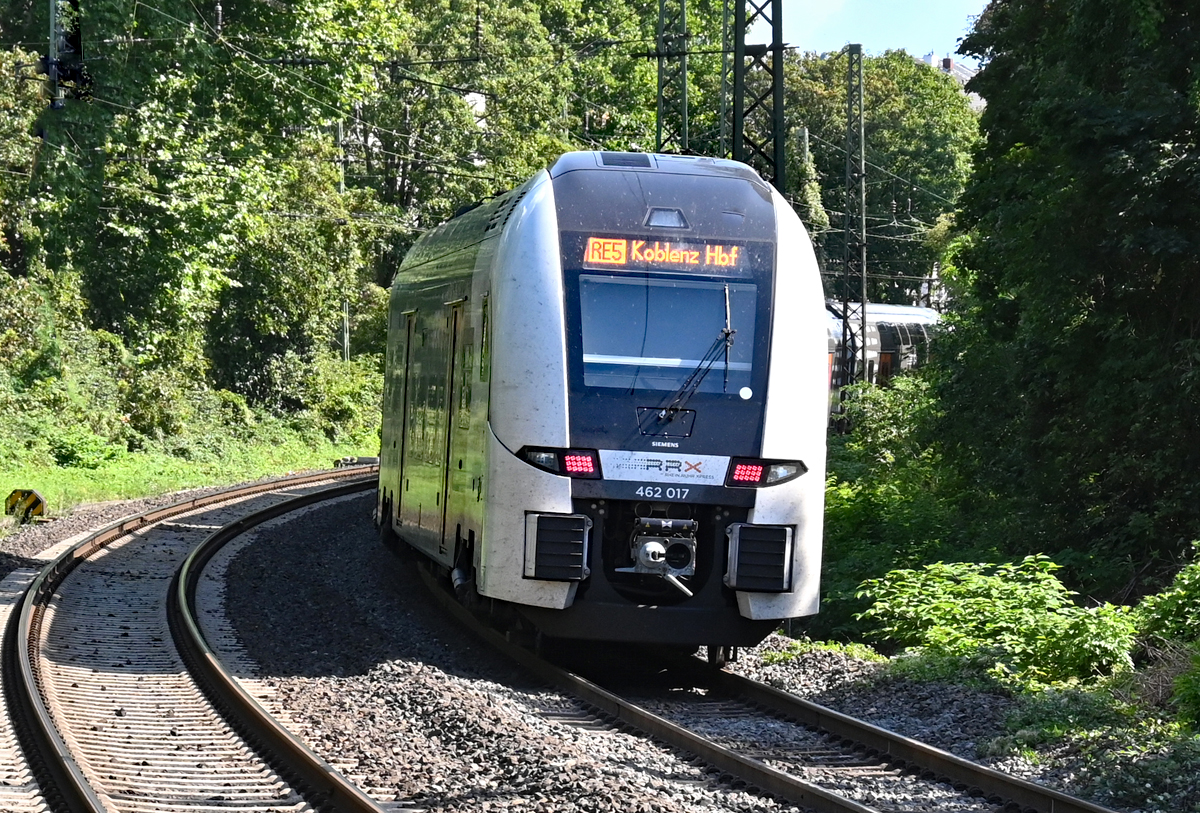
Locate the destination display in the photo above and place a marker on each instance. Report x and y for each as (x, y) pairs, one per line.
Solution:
(616, 251)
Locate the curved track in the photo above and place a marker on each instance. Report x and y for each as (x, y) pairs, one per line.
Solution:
(125, 706)
(815, 757)
(103, 705)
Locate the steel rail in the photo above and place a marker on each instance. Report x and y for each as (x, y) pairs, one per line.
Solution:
(895, 747)
(961, 773)
(58, 774)
(752, 771)
(324, 787)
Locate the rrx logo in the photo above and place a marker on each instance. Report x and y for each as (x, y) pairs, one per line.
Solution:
(682, 466)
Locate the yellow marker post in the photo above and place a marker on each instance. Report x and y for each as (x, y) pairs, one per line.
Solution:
(25, 504)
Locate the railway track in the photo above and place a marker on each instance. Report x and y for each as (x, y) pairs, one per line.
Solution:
(117, 701)
(813, 756)
(137, 724)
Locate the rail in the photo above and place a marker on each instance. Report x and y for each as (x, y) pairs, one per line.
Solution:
(889, 746)
(59, 776)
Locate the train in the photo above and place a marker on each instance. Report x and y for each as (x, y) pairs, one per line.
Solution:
(606, 400)
(898, 339)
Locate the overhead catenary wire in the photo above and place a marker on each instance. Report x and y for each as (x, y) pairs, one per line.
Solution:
(512, 179)
(886, 171)
(303, 77)
(432, 162)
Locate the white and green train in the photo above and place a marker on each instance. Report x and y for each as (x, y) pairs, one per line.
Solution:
(606, 402)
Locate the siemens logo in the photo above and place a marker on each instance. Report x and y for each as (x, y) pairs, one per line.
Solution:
(666, 443)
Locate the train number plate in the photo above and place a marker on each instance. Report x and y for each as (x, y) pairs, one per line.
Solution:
(663, 492)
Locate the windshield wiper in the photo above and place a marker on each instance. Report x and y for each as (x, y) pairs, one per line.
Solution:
(728, 339)
(691, 385)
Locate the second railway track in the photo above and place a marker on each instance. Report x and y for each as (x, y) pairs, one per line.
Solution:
(103, 705)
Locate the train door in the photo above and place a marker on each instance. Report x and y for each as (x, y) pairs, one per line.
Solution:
(421, 504)
(452, 453)
(400, 438)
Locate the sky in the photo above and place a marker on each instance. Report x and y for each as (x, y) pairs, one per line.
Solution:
(917, 26)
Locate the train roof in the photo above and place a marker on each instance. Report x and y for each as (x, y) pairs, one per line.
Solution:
(653, 162)
(902, 314)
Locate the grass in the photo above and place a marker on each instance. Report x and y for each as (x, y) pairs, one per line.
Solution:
(800, 646)
(1109, 738)
(143, 474)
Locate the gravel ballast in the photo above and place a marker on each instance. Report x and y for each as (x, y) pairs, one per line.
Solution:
(18, 548)
(406, 703)
(403, 701)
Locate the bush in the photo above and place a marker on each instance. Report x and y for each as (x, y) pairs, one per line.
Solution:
(330, 398)
(1019, 615)
(78, 448)
(1187, 693)
(802, 646)
(888, 501)
(1039, 718)
(1174, 613)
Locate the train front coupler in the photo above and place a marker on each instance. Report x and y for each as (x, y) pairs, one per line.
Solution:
(665, 548)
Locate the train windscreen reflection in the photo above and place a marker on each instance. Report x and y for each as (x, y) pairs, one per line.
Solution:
(650, 333)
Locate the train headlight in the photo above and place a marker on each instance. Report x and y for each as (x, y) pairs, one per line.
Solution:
(543, 459)
(579, 463)
(747, 472)
(781, 472)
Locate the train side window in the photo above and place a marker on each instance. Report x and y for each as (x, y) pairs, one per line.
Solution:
(465, 384)
(485, 344)
(885, 368)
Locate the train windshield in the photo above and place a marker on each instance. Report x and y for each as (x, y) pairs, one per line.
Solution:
(654, 333)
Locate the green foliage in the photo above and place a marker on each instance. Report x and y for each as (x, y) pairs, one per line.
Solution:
(19, 106)
(1069, 383)
(368, 321)
(1174, 613)
(888, 501)
(271, 449)
(81, 449)
(338, 400)
(1120, 755)
(1020, 615)
(919, 127)
(1051, 715)
(1187, 693)
(890, 427)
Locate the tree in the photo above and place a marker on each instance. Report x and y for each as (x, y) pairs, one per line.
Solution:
(919, 131)
(1072, 380)
(19, 107)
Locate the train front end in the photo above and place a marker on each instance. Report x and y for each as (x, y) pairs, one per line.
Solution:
(686, 482)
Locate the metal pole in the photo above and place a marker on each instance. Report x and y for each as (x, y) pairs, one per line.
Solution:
(779, 126)
(683, 78)
(726, 56)
(739, 81)
(345, 330)
(671, 46)
(341, 160)
(854, 257)
(56, 94)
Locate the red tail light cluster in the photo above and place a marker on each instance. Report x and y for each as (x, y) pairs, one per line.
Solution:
(747, 473)
(754, 473)
(581, 463)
